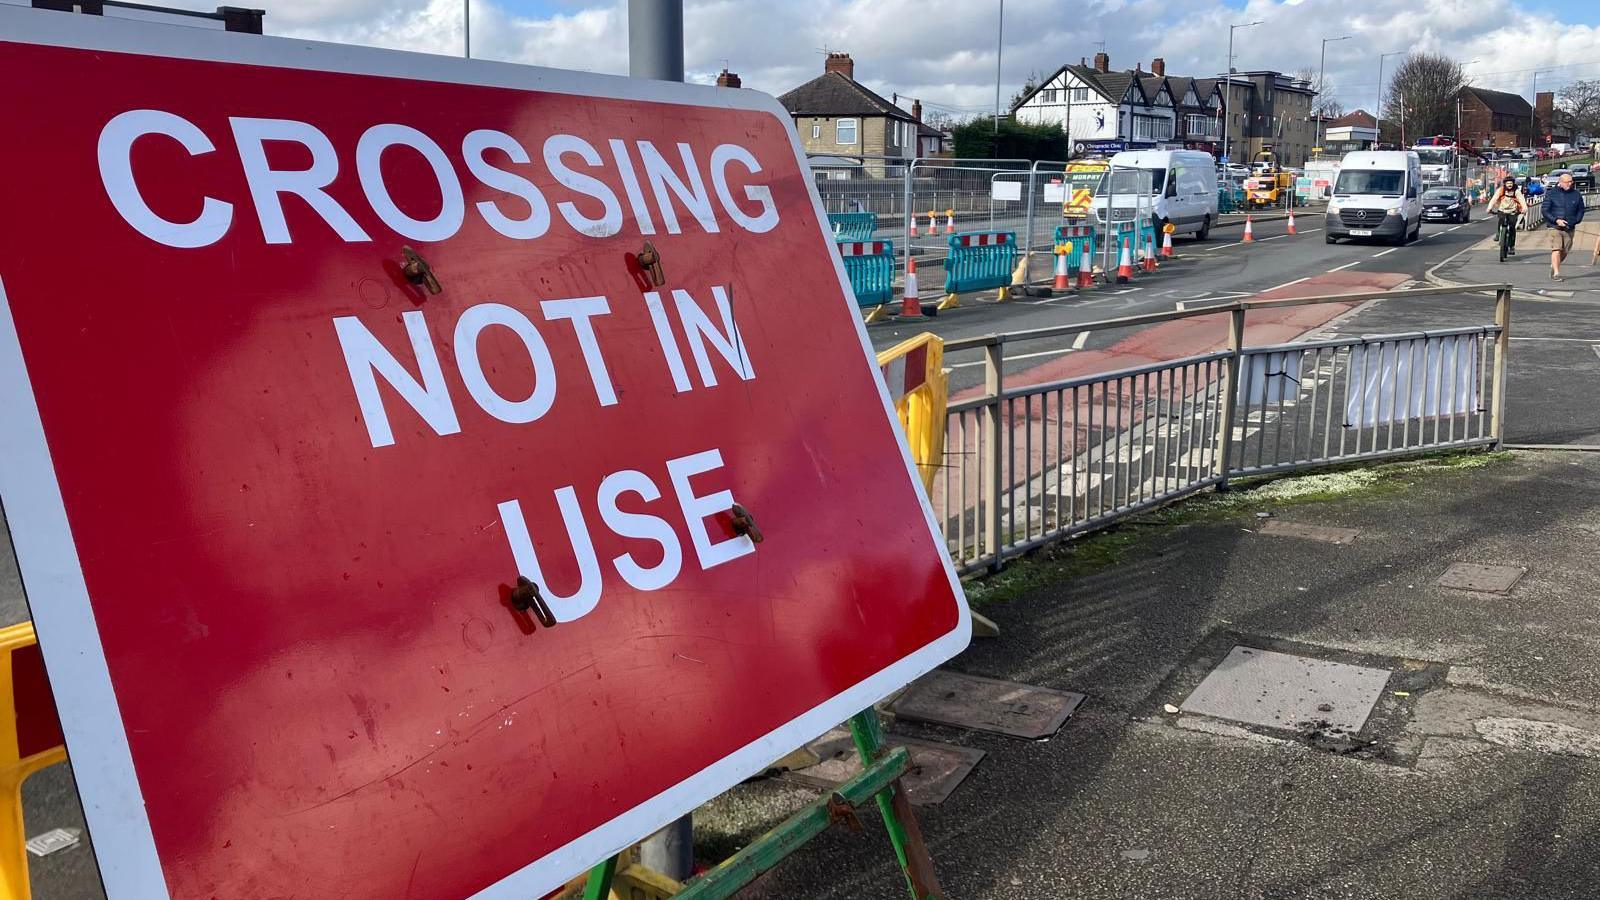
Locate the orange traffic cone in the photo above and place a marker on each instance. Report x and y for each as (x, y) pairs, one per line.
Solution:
(949, 221)
(910, 304)
(1063, 280)
(1125, 264)
(1150, 255)
(933, 222)
(913, 225)
(1085, 271)
(1249, 234)
(1291, 221)
(1166, 244)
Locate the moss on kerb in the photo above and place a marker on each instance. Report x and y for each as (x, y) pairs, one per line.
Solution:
(1115, 545)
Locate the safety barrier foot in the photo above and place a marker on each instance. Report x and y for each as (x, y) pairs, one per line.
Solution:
(983, 626)
(1002, 295)
(950, 301)
(878, 314)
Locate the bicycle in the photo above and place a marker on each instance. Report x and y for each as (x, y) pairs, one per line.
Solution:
(1504, 233)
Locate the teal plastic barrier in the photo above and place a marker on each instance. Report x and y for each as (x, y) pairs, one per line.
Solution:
(980, 259)
(1082, 238)
(870, 265)
(853, 226)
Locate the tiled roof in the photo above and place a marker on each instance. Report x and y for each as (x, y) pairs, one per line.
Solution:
(833, 94)
(1501, 102)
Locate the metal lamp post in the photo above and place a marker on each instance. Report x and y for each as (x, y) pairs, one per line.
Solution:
(1377, 115)
(1227, 93)
(1322, 79)
(999, 36)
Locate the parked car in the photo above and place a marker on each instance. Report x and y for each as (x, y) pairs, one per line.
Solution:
(1583, 176)
(1554, 175)
(1445, 204)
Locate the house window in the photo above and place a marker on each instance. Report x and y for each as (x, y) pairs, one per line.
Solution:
(816, 130)
(1050, 96)
(1197, 124)
(845, 131)
(1080, 95)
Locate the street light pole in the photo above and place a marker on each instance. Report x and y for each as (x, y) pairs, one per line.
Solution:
(466, 28)
(1227, 92)
(999, 35)
(1322, 79)
(1377, 115)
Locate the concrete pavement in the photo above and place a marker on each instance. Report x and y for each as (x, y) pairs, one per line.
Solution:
(1477, 775)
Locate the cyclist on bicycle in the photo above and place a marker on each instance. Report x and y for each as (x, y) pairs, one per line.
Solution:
(1507, 204)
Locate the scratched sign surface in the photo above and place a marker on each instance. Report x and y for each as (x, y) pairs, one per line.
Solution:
(350, 584)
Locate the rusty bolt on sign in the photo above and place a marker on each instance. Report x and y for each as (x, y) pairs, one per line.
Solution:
(745, 524)
(418, 272)
(526, 597)
(650, 261)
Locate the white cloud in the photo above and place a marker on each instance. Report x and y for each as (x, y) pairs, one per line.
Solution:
(943, 51)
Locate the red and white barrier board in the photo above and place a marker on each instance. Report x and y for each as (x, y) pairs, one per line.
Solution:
(272, 497)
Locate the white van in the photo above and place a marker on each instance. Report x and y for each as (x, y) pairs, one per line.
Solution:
(1378, 194)
(1182, 185)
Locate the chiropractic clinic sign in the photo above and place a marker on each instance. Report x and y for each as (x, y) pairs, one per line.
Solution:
(430, 476)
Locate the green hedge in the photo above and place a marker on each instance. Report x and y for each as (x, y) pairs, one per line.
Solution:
(1016, 140)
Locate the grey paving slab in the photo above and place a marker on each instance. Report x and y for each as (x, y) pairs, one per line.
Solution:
(1479, 577)
(985, 704)
(1279, 690)
(935, 772)
(1326, 534)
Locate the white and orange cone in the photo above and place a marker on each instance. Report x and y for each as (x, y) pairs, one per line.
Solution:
(1150, 255)
(1085, 271)
(949, 221)
(1125, 264)
(1291, 221)
(1166, 244)
(1063, 280)
(914, 225)
(910, 304)
(1249, 233)
(933, 222)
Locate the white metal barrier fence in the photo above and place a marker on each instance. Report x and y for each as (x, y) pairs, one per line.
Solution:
(1028, 465)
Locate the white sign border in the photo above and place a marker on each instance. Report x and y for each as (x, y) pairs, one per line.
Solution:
(47, 555)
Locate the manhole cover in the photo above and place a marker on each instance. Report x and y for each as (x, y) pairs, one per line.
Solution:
(1279, 690)
(1476, 577)
(935, 771)
(1323, 533)
(985, 704)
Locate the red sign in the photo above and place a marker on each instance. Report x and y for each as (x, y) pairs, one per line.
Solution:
(349, 584)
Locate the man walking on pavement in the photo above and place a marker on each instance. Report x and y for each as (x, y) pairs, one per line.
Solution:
(1563, 210)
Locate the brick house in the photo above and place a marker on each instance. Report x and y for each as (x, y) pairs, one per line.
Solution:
(836, 114)
(1493, 118)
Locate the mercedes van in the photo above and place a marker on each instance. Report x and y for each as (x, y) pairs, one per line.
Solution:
(1378, 195)
(1182, 186)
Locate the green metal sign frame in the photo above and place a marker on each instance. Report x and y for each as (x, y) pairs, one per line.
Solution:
(879, 780)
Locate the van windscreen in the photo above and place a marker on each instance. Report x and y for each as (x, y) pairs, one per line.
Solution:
(1370, 181)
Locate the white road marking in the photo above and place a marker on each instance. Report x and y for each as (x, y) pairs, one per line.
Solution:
(1343, 267)
(1561, 340)
(1083, 338)
(1385, 252)
(1595, 348)
(1056, 352)
(1287, 283)
(1127, 290)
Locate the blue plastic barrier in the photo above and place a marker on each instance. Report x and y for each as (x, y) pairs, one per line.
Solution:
(1083, 242)
(856, 226)
(870, 265)
(980, 259)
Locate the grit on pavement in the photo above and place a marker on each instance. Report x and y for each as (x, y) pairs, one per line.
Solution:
(1477, 776)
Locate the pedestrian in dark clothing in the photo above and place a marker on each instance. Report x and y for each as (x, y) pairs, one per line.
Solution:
(1563, 210)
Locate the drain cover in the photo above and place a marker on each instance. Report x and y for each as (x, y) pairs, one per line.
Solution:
(1279, 690)
(1476, 577)
(1323, 533)
(935, 771)
(984, 704)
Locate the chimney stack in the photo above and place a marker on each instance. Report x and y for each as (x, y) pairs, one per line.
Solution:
(916, 110)
(1158, 66)
(1102, 62)
(841, 63)
(729, 79)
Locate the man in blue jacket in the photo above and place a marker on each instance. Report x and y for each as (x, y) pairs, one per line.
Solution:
(1563, 210)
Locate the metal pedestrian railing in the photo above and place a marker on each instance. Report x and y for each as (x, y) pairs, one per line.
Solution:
(1028, 465)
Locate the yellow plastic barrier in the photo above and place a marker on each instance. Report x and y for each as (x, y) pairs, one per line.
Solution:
(914, 371)
(30, 739)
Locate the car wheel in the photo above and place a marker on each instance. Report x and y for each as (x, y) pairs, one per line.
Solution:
(1329, 239)
(1205, 228)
